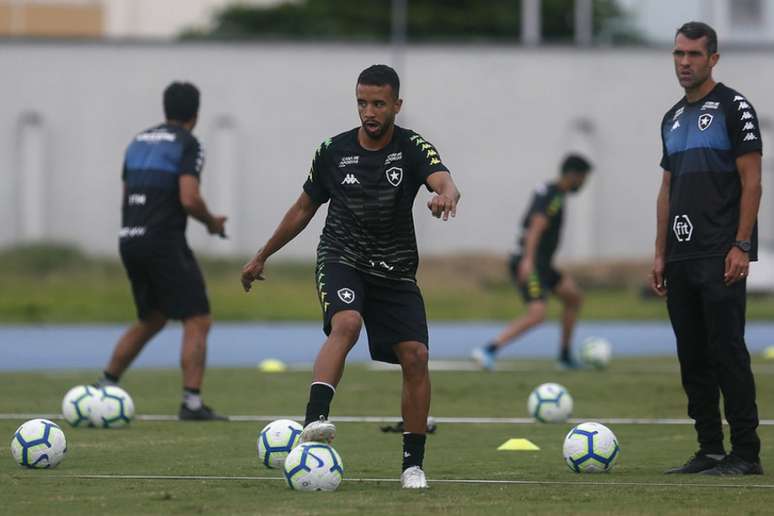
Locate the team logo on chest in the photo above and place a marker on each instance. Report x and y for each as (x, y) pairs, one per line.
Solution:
(346, 294)
(705, 121)
(394, 175)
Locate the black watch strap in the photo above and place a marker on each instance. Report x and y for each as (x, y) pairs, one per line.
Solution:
(744, 245)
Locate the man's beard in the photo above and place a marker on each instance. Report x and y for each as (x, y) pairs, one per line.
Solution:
(383, 128)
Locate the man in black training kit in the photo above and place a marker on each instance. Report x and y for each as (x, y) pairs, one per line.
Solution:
(367, 256)
(706, 237)
(161, 173)
(532, 269)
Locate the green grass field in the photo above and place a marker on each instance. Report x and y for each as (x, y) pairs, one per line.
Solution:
(70, 287)
(631, 388)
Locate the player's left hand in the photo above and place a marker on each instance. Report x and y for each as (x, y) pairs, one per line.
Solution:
(441, 206)
(737, 266)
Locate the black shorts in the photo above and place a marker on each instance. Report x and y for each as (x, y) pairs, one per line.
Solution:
(393, 311)
(543, 280)
(165, 278)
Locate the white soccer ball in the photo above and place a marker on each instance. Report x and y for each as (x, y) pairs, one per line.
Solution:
(276, 440)
(113, 408)
(596, 352)
(550, 403)
(78, 403)
(313, 467)
(591, 448)
(39, 443)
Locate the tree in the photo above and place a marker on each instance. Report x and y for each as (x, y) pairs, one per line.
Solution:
(428, 20)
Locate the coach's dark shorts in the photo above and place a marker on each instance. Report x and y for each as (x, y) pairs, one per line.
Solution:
(165, 277)
(543, 280)
(393, 311)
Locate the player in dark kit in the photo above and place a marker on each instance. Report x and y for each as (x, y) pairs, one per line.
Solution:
(532, 269)
(706, 237)
(161, 175)
(367, 256)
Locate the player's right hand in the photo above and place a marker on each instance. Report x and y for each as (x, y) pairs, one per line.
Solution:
(217, 226)
(657, 282)
(253, 270)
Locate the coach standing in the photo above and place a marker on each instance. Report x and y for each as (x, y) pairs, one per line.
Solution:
(706, 237)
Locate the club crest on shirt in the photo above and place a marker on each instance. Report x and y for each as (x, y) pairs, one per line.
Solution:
(394, 175)
(346, 294)
(705, 121)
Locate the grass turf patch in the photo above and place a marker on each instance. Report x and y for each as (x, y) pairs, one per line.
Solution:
(646, 388)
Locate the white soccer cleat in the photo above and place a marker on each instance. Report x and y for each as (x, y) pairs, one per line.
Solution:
(413, 478)
(322, 431)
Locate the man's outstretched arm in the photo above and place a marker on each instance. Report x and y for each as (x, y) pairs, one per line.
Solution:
(444, 202)
(294, 221)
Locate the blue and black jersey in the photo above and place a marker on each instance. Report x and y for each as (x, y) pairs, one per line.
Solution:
(701, 142)
(547, 200)
(153, 164)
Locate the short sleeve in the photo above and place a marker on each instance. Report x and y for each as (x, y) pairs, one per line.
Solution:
(541, 201)
(424, 159)
(743, 129)
(192, 160)
(314, 185)
(664, 153)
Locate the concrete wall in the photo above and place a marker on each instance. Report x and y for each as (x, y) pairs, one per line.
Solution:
(501, 117)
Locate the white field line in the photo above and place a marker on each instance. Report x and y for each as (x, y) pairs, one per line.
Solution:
(431, 481)
(393, 419)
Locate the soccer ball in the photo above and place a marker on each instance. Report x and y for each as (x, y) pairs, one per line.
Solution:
(591, 448)
(113, 408)
(276, 440)
(38, 443)
(313, 467)
(595, 352)
(550, 403)
(77, 404)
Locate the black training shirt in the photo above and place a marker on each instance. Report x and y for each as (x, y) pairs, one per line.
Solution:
(701, 141)
(153, 164)
(370, 225)
(547, 200)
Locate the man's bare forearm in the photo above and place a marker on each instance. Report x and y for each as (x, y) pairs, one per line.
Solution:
(294, 221)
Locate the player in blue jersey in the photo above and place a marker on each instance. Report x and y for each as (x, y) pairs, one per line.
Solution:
(706, 237)
(161, 173)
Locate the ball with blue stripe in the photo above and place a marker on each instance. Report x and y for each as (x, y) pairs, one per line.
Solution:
(313, 466)
(591, 448)
(38, 444)
(276, 440)
(113, 408)
(550, 403)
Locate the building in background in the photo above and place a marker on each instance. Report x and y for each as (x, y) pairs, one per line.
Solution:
(132, 19)
(738, 22)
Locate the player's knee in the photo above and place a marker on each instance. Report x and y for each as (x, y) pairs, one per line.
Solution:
(575, 299)
(413, 356)
(199, 324)
(347, 324)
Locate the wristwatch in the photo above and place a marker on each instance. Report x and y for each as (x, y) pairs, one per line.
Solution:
(744, 245)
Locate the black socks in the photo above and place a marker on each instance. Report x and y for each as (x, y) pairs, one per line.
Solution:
(413, 450)
(320, 396)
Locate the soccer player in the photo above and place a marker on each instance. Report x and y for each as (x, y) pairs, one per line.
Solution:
(706, 236)
(367, 255)
(161, 172)
(532, 269)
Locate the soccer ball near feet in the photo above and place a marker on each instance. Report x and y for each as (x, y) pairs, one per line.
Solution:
(276, 440)
(314, 466)
(113, 408)
(591, 448)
